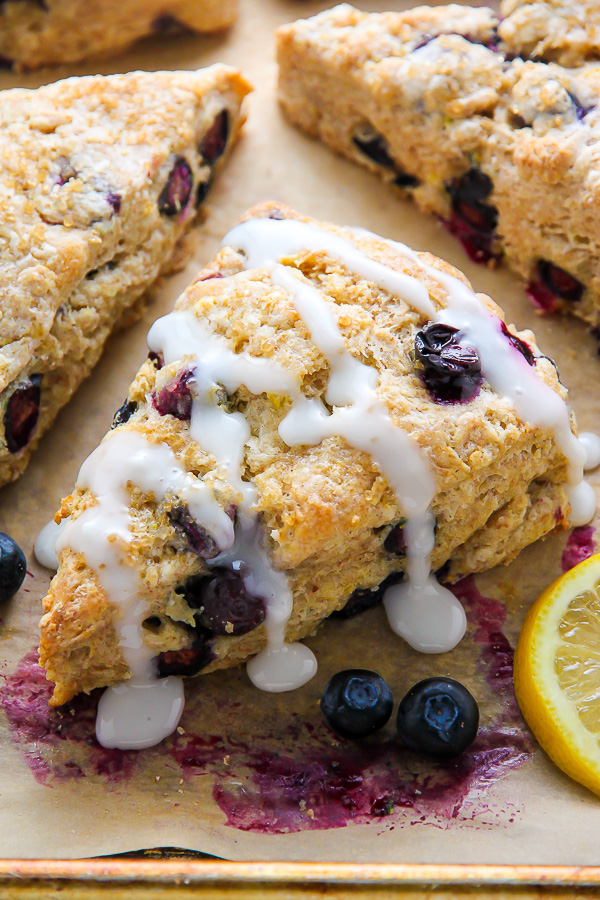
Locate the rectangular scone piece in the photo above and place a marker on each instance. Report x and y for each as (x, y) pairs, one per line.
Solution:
(100, 178)
(316, 392)
(503, 150)
(55, 32)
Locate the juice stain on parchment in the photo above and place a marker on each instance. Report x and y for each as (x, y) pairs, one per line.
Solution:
(288, 772)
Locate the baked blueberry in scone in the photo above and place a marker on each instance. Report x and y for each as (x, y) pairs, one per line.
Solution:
(100, 178)
(437, 102)
(37, 33)
(325, 415)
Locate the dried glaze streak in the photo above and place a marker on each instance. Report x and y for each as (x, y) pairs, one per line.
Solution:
(580, 545)
(57, 743)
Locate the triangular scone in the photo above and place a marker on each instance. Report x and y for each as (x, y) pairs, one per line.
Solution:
(236, 411)
(65, 31)
(501, 149)
(99, 179)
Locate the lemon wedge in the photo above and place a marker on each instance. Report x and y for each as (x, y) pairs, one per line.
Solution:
(557, 672)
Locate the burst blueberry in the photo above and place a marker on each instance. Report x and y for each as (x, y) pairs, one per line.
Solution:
(363, 599)
(199, 540)
(189, 660)
(175, 398)
(375, 147)
(176, 193)
(552, 284)
(13, 567)
(438, 717)
(21, 414)
(225, 605)
(124, 413)
(356, 703)
(451, 371)
(473, 220)
(518, 344)
(213, 144)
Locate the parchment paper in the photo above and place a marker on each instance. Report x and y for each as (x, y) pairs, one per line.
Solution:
(246, 765)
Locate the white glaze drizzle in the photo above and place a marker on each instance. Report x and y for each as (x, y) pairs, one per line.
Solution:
(102, 533)
(44, 548)
(359, 416)
(591, 445)
(279, 667)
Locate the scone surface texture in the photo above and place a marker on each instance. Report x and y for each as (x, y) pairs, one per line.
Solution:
(329, 519)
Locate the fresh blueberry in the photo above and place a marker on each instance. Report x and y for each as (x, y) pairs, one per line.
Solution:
(451, 371)
(199, 540)
(213, 144)
(13, 567)
(438, 717)
(224, 604)
(124, 413)
(473, 220)
(175, 398)
(21, 415)
(188, 661)
(356, 702)
(518, 344)
(176, 193)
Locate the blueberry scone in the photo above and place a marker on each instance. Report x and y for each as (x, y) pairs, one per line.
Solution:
(100, 177)
(326, 419)
(562, 31)
(503, 150)
(49, 32)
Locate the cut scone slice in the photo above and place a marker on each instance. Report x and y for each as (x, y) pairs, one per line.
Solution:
(34, 34)
(322, 408)
(100, 177)
(504, 151)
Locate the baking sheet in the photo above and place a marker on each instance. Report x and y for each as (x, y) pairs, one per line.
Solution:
(255, 776)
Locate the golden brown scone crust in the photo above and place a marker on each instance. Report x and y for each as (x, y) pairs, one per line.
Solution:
(325, 509)
(439, 87)
(562, 31)
(83, 164)
(65, 31)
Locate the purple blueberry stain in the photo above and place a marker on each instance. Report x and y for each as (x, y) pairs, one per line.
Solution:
(175, 398)
(551, 284)
(114, 201)
(580, 545)
(176, 192)
(214, 142)
(451, 371)
(22, 412)
(473, 220)
(50, 738)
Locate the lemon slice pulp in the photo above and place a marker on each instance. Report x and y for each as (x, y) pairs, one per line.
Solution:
(557, 672)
